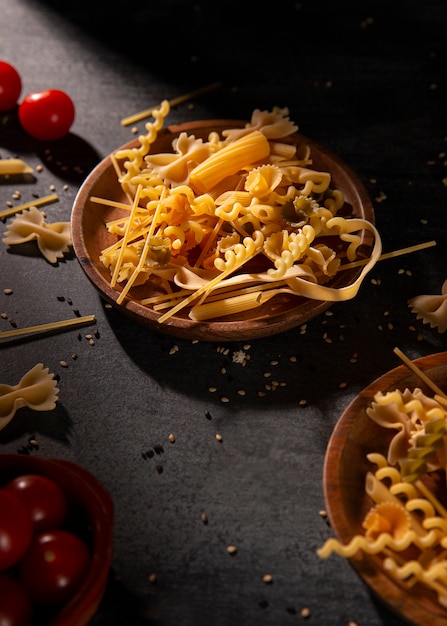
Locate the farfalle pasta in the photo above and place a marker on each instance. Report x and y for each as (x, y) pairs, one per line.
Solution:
(37, 390)
(406, 525)
(431, 309)
(53, 240)
(214, 206)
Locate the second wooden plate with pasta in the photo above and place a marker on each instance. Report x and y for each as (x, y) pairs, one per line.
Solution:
(346, 465)
(282, 312)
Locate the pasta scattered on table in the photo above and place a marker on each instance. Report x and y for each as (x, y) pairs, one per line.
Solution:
(199, 216)
(37, 390)
(53, 240)
(431, 309)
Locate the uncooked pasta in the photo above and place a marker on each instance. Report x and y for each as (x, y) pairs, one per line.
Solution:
(239, 209)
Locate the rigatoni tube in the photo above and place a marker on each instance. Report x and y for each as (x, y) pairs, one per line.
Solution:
(229, 160)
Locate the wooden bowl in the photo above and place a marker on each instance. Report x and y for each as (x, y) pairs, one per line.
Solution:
(345, 468)
(90, 237)
(90, 514)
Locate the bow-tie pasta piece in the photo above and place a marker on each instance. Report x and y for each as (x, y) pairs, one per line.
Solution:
(53, 240)
(37, 389)
(431, 309)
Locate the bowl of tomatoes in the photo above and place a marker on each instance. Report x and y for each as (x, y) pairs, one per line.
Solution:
(56, 541)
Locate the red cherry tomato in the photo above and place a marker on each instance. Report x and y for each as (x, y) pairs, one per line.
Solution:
(54, 566)
(43, 498)
(10, 86)
(16, 529)
(47, 115)
(15, 603)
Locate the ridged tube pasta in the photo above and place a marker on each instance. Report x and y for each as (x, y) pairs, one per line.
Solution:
(229, 160)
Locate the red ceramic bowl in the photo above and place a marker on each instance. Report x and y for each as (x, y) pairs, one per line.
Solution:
(90, 514)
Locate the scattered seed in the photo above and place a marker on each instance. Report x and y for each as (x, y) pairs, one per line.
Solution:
(74, 356)
(224, 399)
(231, 549)
(63, 363)
(212, 389)
(305, 612)
(4, 316)
(173, 350)
(292, 359)
(343, 385)
(204, 518)
(241, 392)
(303, 402)
(322, 513)
(7, 292)
(267, 579)
(39, 168)
(171, 438)
(152, 578)
(219, 437)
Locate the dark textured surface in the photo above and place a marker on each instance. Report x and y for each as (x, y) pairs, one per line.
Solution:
(368, 81)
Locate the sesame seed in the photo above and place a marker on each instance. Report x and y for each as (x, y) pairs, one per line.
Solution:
(204, 518)
(322, 513)
(171, 438)
(39, 168)
(224, 399)
(343, 385)
(241, 392)
(63, 363)
(212, 389)
(152, 578)
(231, 549)
(4, 316)
(7, 292)
(267, 578)
(305, 612)
(219, 437)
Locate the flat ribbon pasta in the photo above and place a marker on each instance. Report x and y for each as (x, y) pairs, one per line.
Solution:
(53, 240)
(37, 389)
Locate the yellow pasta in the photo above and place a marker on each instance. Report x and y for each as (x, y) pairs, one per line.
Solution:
(37, 390)
(405, 515)
(218, 203)
(53, 240)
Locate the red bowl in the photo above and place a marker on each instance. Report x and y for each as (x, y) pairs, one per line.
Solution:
(90, 512)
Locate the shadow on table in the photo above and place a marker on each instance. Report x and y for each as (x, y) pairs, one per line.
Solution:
(290, 368)
(55, 424)
(70, 158)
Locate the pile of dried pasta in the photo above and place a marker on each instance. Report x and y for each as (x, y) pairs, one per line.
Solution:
(200, 215)
(406, 525)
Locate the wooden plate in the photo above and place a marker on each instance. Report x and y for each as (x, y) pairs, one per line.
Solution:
(281, 313)
(345, 467)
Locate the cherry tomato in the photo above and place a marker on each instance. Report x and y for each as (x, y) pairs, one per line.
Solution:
(15, 603)
(10, 86)
(43, 498)
(54, 566)
(47, 115)
(16, 529)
